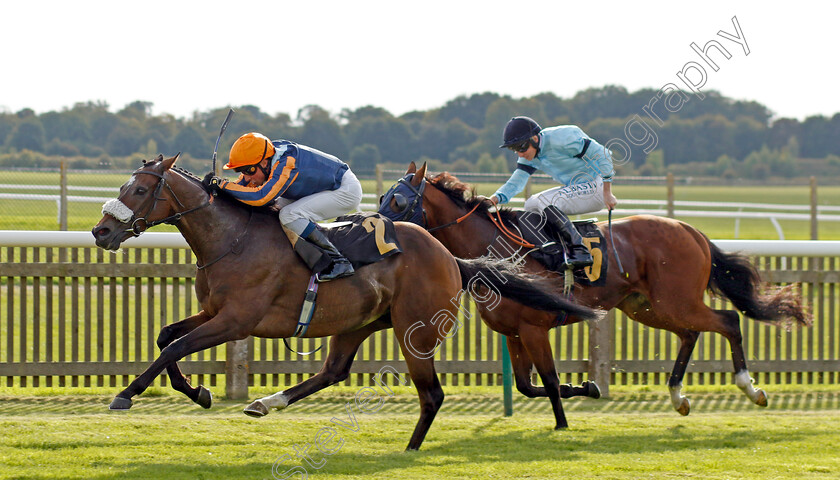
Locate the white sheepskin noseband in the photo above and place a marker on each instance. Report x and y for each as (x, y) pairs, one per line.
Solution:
(118, 210)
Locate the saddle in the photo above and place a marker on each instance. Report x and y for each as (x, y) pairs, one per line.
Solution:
(535, 230)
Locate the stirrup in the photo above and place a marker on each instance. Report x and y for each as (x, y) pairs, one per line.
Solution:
(576, 263)
(335, 272)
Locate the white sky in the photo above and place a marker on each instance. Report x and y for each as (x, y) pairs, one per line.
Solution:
(187, 56)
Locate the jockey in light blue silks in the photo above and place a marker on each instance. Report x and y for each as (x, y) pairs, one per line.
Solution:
(582, 165)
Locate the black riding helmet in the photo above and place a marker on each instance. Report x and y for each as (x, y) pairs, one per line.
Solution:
(519, 129)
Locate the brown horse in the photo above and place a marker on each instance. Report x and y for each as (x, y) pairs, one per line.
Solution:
(251, 282)
(669, 265)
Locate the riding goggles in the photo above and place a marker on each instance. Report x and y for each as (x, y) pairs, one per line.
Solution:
(521, 147)
(247, 169)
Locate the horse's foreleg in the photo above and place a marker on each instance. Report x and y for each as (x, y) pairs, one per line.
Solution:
(336, 368)
(212, 333)
(535, 341)
(739, 361)
(169, 334)
(681, 404)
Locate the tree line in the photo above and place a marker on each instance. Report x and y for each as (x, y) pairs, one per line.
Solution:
(714, 135)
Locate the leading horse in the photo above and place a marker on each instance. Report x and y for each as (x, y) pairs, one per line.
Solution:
(669, 266)
(251, 282)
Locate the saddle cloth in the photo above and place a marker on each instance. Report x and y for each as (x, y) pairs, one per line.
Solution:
(363, 238)
(592, 237)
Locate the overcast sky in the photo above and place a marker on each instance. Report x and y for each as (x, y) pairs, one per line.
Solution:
(186, 56)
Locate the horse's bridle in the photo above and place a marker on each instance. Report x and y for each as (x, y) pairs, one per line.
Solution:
(137, 224)
(412, 211)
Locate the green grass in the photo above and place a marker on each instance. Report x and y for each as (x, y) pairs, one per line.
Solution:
(632, 435)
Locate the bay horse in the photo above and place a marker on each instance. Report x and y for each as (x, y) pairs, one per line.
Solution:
(251, 282)
(669, 266)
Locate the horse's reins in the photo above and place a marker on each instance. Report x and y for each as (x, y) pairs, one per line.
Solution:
(134, 222)
(454, 222)
(510, 235)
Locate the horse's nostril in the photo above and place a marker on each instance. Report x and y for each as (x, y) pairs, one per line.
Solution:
(101, 232)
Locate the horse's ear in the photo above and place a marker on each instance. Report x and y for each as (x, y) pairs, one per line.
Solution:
(412, 167)
(167, 164)
(419, 175)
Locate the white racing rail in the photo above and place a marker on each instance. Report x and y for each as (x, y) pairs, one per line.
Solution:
(38, 238)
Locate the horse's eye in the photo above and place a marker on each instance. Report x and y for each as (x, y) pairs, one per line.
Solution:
(140, 191)
(400, 201)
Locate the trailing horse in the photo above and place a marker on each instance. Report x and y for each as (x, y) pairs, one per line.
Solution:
(250, 282)
(668, 266)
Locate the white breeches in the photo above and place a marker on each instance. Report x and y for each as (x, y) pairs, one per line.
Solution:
(574, 199)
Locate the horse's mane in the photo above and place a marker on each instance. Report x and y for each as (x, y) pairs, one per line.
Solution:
(463, 195)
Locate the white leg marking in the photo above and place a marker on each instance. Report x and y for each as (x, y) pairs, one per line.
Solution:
(279, 401)
(676, 396)
(745, 383)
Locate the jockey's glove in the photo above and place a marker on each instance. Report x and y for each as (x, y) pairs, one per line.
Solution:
(212, 183)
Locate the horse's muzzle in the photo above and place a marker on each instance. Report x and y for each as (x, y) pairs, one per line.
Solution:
(109, 238)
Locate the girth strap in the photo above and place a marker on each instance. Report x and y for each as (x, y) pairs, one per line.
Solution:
(305, 315)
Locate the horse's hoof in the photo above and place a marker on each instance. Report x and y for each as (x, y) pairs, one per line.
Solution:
(761, 398)
(120, 403)
(685, 407)
(205, 398)
(592, 390)
(561, 427)
(256, 410)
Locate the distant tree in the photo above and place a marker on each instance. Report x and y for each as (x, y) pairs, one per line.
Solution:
(364, 158)
(28, 135)
(190, 140)
(137, 110)
(321, 131)
(470, 110)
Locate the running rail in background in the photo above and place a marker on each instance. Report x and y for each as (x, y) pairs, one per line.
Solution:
(38, 238)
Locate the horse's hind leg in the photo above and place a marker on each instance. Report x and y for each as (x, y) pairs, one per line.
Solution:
(522, 364)
(743, 380)
(336, 368)
(688, 339)
(535, 341)
(169, 334)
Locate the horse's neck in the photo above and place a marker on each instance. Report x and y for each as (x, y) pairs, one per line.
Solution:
(211, 230)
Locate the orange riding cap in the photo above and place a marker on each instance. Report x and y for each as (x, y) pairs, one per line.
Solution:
(249, 149)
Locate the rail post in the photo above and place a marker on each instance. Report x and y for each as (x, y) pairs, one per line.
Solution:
(236, 370)
(62, 202)
(814, 231)
(600, 354)
(379, 188)
(670, 195)
(507, 378)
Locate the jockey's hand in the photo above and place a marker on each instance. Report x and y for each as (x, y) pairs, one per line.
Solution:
(212, 183)
(492, 199)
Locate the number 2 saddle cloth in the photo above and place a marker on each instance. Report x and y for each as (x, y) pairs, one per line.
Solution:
(363, 238)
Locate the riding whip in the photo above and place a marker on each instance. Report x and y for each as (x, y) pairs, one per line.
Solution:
(221, 132)
(612, 241)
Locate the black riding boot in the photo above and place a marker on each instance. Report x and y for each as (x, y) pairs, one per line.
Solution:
(579, 255)
(340, 266)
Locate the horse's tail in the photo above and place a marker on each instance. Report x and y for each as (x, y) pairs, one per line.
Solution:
(504, 279)
(734, 277)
